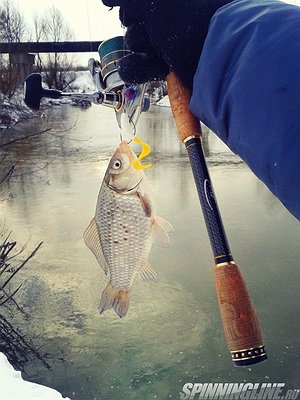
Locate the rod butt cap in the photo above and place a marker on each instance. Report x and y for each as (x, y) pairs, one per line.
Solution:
(245, 357)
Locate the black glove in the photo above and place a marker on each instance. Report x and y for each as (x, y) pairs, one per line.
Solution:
(165, 35)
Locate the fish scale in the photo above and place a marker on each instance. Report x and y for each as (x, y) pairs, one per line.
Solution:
(125, 234)
(123, 229)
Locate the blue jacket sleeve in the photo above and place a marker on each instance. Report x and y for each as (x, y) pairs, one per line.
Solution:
(247, 90)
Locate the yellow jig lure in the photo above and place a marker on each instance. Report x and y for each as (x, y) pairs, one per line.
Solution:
(144, 153)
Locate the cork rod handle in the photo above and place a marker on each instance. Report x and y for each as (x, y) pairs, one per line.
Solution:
(179, 96)
(241, 326)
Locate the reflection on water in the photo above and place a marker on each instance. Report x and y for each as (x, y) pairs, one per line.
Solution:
(172, 333)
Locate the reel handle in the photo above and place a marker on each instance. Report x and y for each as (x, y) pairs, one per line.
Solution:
(34, 91)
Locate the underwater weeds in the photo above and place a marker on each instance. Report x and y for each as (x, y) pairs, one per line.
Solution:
(14, 345)
(9, 271)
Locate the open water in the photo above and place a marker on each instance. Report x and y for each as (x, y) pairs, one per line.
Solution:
(172, 333)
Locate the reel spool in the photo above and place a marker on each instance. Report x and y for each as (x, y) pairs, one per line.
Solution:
(133, 97)
(110, 52)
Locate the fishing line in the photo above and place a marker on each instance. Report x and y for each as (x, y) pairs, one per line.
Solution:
(134, 131)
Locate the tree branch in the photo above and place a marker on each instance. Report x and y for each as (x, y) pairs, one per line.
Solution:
(21, 266)
(24, 137)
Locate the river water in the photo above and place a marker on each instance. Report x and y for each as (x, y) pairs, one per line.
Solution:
(172, 333)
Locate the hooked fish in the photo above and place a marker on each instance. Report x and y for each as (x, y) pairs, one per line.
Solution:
(123, 229)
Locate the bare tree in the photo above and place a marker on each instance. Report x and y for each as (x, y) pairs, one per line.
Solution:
(40, 35)
(40, 28)
(12, 29)
(13, 26)
(9, 80)
(58, 67)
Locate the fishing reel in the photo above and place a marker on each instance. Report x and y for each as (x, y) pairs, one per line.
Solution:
(127, 101)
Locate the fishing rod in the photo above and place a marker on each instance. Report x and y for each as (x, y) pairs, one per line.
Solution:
(241, 326)
(240, 322)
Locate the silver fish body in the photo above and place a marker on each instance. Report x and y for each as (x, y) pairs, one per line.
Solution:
(124, 228)
(125, 234)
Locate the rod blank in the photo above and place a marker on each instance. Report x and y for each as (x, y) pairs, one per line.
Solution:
(240, 323)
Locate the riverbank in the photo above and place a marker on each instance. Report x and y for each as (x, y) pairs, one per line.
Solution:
(13, 386)
(13, 111)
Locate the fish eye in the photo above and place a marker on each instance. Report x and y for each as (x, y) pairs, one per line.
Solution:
(117, 164)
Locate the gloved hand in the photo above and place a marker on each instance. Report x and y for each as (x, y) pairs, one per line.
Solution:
(165, 35)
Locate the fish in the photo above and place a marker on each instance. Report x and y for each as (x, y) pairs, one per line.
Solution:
(124, 228)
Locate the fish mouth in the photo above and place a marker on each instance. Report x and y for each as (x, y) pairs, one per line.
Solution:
(125, 190)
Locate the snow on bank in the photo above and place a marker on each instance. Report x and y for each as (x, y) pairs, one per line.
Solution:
(11, 113)
(13, 387)
(164, 102)
(84, 81)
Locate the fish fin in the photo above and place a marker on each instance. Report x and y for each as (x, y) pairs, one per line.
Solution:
(114, 298)
(147, 273)
(160, 231)
(166, 225)
(92, 240)
(146, 203)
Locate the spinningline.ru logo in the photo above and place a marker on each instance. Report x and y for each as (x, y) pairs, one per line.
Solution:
(238, 391)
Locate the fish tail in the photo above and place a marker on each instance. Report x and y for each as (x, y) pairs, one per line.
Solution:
(114, 298)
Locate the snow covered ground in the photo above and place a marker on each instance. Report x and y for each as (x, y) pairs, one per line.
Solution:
(13, 387)
(11, 113)
(83, 81)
